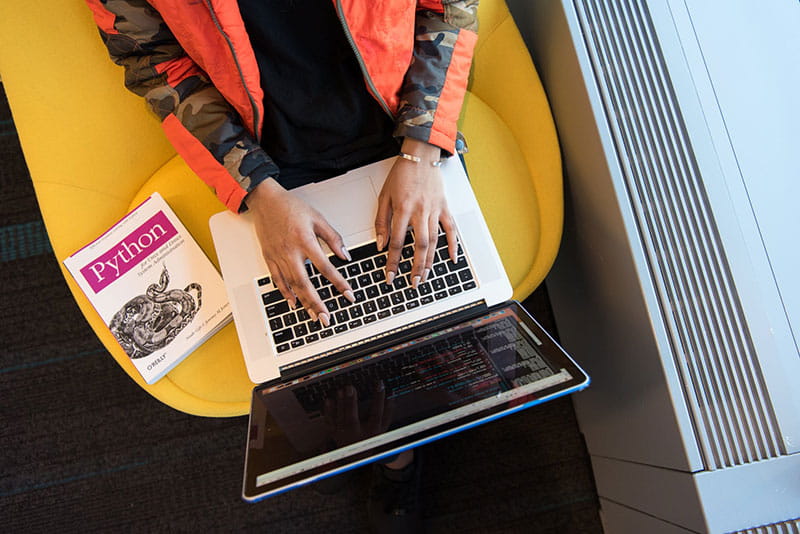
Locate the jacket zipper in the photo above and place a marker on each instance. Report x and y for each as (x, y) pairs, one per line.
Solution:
(256, 115)
(372, 89)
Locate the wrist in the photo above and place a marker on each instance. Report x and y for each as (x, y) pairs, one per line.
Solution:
(264, 194)
(421, 153)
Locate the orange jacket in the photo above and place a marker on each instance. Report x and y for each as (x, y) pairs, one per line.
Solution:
(415, 56)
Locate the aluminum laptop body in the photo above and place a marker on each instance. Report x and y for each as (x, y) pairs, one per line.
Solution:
(349, 203)
(390, 384)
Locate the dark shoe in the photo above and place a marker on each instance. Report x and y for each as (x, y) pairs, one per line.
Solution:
(394, 498)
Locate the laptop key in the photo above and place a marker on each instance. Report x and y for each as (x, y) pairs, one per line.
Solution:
(275, 324)
(412, 304)
(469, 285)
(398, 309)
(440, 295)
(331, 305)
(454, 290)
(264, 281)
(397, 298)
(302, 315)
(410, 293)
(465, 275)
(312, 338)
(300, 330)
(297, 343)
(373, 292)
(314, 326)
(364, 280)
(425, 289)
(385, 288)
(325, 293)
(272, 296)
(383, 314)
(353, 269)
(282, 336)
(426, 300)
(282, 348)
(370, 319)
(438, 284)
(354, 324)
(384, 302)
(367, 265)
(451, 280)
(339, 328)
(342, 317)
(356, 312)
(276, 309)
(326, 333)
(439, 269)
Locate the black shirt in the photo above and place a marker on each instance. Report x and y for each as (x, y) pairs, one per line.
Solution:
(319, 118)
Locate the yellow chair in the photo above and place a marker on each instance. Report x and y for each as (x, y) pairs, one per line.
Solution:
(94, 151)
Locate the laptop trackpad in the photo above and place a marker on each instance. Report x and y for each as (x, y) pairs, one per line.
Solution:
(352, 212)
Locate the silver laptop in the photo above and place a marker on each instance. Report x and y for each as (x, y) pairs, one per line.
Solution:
(407, 340)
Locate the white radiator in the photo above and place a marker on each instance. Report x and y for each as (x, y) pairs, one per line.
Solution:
(678, 281)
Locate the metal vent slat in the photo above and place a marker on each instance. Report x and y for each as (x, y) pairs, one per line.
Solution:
(723, 385)
(785, 527)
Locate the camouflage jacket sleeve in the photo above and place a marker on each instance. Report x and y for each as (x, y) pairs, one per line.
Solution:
(436, 81)
(158, 69)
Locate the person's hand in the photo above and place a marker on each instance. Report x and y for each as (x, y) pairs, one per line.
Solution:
(414, 194)
(288, 230)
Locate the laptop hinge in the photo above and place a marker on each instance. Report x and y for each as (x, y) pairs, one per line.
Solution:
(379, 341)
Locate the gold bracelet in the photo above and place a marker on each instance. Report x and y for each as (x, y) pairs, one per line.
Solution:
(417, 159)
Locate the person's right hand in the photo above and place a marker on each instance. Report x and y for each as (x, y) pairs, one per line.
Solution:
(288, 230)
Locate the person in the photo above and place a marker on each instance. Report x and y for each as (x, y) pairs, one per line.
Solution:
(262, 96)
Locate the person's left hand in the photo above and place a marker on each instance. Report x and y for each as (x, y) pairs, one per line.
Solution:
(414, 194)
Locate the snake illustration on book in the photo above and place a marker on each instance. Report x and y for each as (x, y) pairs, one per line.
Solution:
(148, 322)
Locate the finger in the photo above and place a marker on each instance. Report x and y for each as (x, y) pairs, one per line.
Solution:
(433, 239)
(382, 221)
(295, 274)
(332, 238)
(421, 247)
(397, 238)
(326, 269)
(280, 283)
(449, 227)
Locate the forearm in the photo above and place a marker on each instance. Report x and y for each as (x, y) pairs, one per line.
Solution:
(436, 81)
(197, 119)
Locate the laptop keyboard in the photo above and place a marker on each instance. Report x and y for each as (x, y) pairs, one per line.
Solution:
(374, 298)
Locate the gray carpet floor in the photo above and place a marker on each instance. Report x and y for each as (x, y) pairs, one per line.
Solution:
(84, 449)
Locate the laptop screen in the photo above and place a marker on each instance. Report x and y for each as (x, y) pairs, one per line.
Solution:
(381, 402)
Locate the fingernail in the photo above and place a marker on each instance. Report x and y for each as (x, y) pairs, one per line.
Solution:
(389, 277)
(346, 254)
(415, 281)
(292, 304)
(350, 296)
(323, 318)
(379, 241)
(425, 274)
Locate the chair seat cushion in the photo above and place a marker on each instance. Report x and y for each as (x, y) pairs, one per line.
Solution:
(502, 183)
(215, 372)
